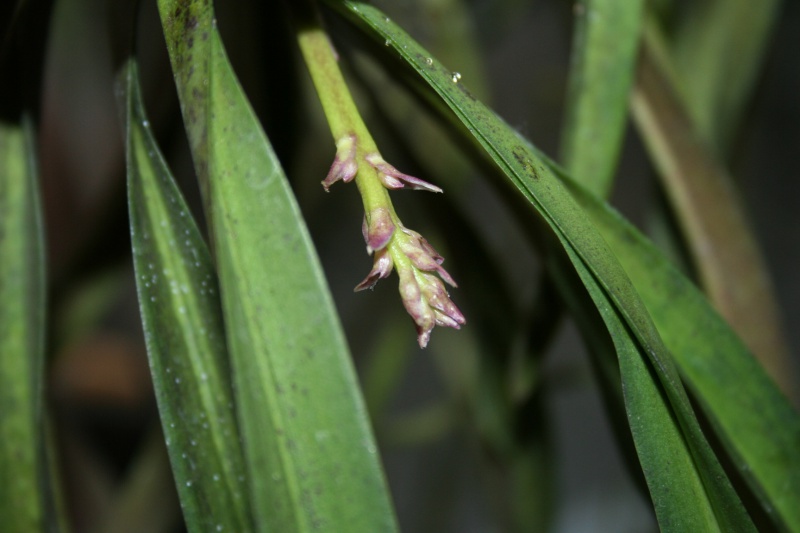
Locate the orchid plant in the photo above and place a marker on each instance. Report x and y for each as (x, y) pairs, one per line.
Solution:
(261, 395)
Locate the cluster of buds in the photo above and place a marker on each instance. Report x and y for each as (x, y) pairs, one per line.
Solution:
(398, 248)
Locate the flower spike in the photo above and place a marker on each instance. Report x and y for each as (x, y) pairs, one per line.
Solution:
(417, 263)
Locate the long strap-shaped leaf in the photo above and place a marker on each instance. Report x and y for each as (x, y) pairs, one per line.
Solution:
(311, 458)
(536, 181)
(182, 320)
(677, 490)
(22, 469)
(757, 424)
(603, 59)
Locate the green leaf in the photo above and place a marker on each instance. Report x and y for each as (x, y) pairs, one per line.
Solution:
(22, 329)
(530, 173)
(603, 62)
(182, 320)
(676, 488)
(756, 423)
(312, 460)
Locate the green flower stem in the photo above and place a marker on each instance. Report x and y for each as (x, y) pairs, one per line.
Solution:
(341, 112)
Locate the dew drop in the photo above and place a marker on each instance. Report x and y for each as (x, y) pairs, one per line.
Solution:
(387, 42)
(145, 123)
(456, 77)
(429, 61)
(188, 483)
(386, 19)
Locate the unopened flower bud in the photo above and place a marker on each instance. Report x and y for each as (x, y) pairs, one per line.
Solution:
(377, 229)
(415, 303)
(344, 165)
(446, 312)
(381, 268)
(424, 256)
(394, 179)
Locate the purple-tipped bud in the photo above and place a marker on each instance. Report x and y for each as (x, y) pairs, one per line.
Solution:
(394, 179)
(344, 165)
(377, 229)
(381, 268)
(446, 312)
(427, 301)
(424, 256)
(415, 303)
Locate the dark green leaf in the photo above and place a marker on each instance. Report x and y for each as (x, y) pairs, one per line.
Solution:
(755, 421)
(183, 327)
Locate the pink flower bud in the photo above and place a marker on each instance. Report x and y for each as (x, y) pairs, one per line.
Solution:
(394, 179)
(344, 165)
(416, 305)
(424, 256)
(377, 229)
(446, 312)
(381, 268)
